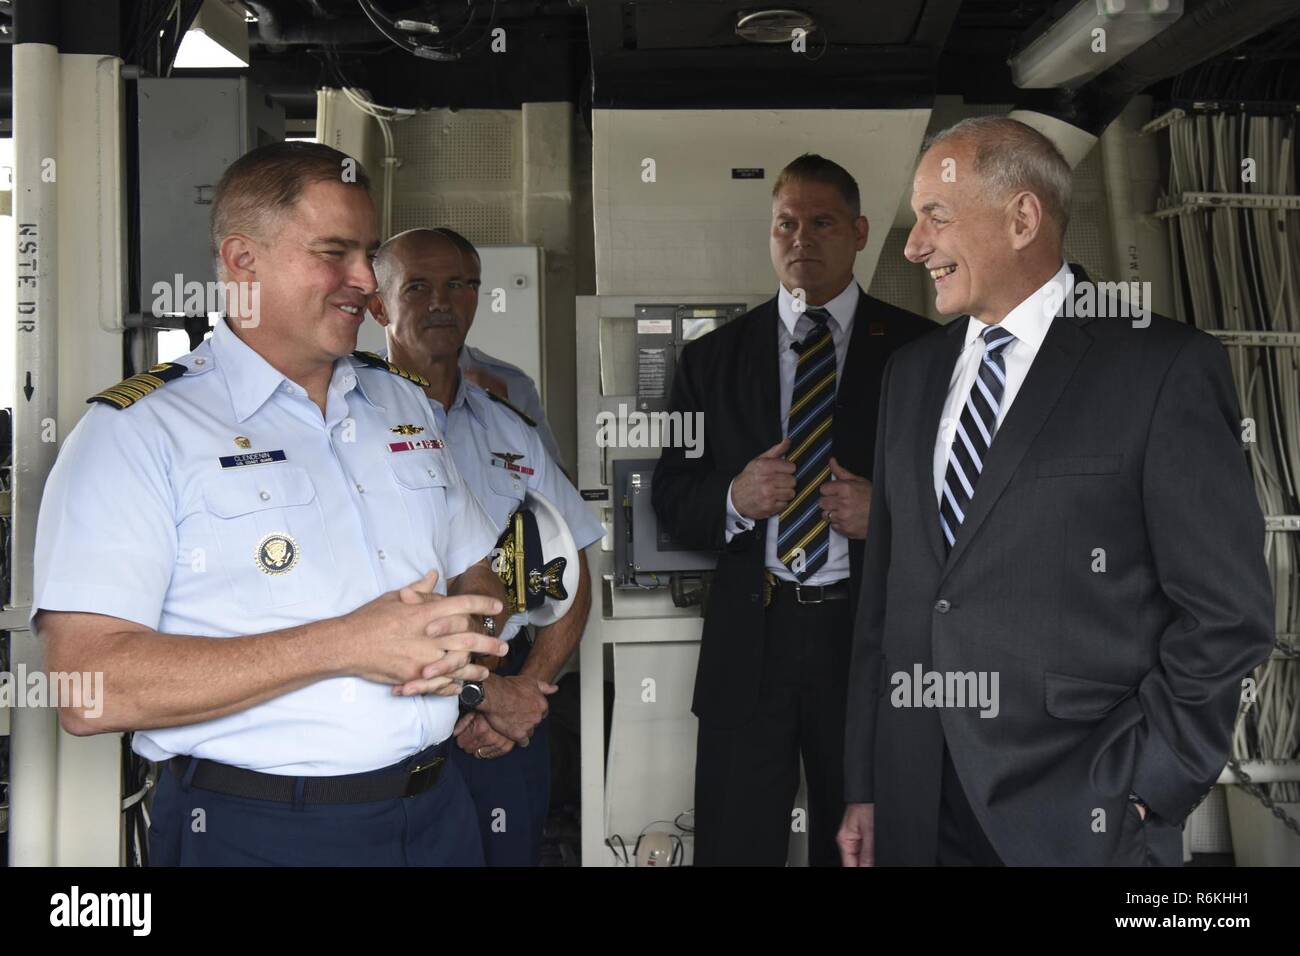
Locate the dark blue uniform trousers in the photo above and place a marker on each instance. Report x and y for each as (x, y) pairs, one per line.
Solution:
(194, 827)
(511, 794)
(511, 797)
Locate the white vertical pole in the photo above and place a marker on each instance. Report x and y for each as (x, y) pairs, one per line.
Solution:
(34, 741)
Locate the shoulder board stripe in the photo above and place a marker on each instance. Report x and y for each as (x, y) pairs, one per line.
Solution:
(377, 361)
(119, 396)
(497, 398)
(129, 391)
(135, 390)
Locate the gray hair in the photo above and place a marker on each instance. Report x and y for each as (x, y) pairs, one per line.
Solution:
(1012, 157)
(383, 264)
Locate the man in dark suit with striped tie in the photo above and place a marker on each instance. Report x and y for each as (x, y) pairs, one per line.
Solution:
(1064, 581)
(789, 393)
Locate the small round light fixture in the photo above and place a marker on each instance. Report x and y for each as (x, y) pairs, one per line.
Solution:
(773, 26)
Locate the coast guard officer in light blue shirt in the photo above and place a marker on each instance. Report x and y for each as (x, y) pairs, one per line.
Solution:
(255, 544)
(512, 383)
(428, 293)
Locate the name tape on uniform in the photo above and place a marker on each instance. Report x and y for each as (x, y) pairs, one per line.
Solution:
(252, 458)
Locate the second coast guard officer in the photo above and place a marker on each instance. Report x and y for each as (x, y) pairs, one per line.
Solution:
(252, 545)
(512, 383)
(428, 293)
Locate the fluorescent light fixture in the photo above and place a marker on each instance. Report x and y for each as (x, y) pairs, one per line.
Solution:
(217, 39)
(1089, 39)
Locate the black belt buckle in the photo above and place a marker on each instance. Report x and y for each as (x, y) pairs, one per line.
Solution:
(800, 588)
(423, 776)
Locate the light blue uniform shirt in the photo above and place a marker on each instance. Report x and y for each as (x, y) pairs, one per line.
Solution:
(520, 389)
(501, 456)
(224, 504)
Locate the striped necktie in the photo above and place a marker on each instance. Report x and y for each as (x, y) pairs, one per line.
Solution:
(975, 429)
(803, 535)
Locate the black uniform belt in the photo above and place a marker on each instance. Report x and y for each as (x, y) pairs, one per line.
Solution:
(409, 778)
(778, 589)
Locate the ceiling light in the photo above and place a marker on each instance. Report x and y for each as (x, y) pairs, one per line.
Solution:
(217, 39)
(1089, 39)
(773, 26)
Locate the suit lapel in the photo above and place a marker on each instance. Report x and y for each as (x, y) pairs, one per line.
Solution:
(765, 384)
(858, 358)
(862, 366)
(1050, 372)
(942, 359)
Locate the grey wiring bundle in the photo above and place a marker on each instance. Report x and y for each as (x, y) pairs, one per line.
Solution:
(1239, 271)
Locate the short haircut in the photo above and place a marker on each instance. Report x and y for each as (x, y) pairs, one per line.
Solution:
(268, 181)
(383, 258)
(1011, 157)
(460, 242)
(811, 168)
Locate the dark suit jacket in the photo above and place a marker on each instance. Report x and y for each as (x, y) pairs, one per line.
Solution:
(1123, 446)
(732, 376)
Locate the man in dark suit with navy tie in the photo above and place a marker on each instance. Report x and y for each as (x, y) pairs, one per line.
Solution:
(1064, 580)
(789, 393)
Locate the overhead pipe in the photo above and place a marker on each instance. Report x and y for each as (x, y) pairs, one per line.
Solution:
(1074, 119)
(277, 32)
(1204, 31)
(277, 35)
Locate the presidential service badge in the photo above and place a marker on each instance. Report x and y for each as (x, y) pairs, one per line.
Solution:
(242, 442)
(277, 553)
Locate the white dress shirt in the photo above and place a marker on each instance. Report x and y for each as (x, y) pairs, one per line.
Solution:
(794, 327)
(1028, 322)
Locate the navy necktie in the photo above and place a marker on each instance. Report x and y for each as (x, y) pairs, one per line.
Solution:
(803, 535)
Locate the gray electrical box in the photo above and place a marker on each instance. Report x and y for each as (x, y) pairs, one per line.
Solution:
(661, 332)
(190, 130)
(641, 547)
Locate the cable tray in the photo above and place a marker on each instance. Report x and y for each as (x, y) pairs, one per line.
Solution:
(1256, 338)
(1186, 203)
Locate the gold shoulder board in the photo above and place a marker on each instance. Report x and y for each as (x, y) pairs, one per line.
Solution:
(129, 391)
(372, 360)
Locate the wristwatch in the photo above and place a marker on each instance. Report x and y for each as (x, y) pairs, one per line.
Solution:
(471, 695)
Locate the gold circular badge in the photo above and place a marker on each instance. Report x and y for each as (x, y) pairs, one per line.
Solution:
(277, 553)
